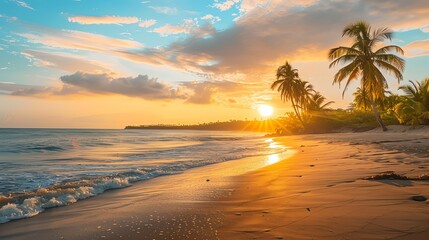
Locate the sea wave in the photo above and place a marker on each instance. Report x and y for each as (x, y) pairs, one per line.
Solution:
(46, 168)
(30, 203)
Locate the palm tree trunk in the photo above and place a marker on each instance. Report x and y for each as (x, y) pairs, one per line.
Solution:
(297, 113)
(377, 116)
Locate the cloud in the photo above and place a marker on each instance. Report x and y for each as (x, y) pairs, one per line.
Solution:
(186, 27)
(211, 18)
(79, 40)
(225, 5)
(247, 6)
(269, 32)
(23, 4)
(277, 30)
(8, 19)
(210, 91)
(147, 23)
(81, 83)
(141, 86)
(165, 10)
(417, 48)
(103, 20)
(32, 90)
(425, 29)
(64, 62)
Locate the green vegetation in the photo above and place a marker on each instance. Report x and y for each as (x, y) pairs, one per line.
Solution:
(292, 88)
(365, 63)
(414, 107)
(269, 125)
(372, 104)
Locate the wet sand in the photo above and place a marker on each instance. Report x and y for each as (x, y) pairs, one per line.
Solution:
(319, 191)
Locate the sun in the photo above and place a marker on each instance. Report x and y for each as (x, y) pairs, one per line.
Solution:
(265, 110)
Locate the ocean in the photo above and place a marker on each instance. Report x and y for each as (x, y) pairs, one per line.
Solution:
(46, 168)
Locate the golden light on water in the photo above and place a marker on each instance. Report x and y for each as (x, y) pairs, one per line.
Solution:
(265, 110)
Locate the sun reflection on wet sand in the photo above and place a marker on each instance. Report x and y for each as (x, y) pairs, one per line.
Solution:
(281, 152)
(273, 158)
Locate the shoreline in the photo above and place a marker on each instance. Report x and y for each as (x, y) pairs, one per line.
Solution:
(99, 217)
(322, 192)
(319, 192)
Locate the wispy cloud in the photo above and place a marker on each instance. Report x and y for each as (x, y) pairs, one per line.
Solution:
(223, 6)
(165, 10)
(103, 20)
(79, 40)
(417, 48)
(211, 18)
(9, 19)
(425, 29)
(206, 92)
(23, 4)
(64, 62)
(147, 23)
(10, 88)
(187, 26)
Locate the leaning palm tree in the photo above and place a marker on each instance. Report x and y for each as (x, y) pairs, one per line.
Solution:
(317, 102)
(288, 84)
(305, 90)
(365, 63)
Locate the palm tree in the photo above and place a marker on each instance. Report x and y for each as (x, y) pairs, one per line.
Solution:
(415, 108)
(305, 90)
(418, 91)
(317, 102)
(289, 85)
(365, 63)
(361, 99)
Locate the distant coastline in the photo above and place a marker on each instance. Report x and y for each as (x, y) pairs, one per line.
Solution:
(269, 125)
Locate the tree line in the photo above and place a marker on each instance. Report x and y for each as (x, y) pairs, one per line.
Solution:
(364, 61)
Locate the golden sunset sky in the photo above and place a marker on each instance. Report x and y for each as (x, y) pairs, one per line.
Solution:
(107, 64)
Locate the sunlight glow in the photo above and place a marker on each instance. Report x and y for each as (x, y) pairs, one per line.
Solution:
(273, 158)
(265, 110)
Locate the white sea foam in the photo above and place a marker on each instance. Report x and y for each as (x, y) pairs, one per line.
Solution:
(49, 198)
(79, 169)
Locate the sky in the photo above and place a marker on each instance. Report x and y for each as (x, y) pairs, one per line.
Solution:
(112, 63)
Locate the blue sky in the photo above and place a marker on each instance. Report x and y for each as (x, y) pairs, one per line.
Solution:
(17, 19)
(204, 57)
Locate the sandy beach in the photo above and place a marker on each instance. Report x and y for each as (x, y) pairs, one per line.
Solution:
(318, 190)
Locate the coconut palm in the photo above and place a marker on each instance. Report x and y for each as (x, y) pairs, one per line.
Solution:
(415, 108)
(289, 85)
(411, 112)
(305, 90)
(361, 100)
(317, 102)
(365, 63)
(418, 91)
